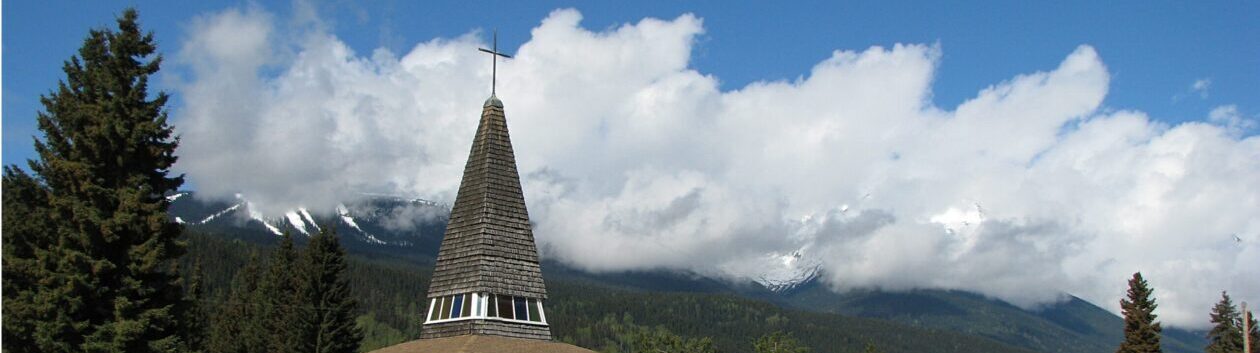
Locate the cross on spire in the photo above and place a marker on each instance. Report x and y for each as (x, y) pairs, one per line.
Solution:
(494, 60)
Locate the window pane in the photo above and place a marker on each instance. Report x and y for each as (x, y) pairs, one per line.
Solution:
(520, 308)
(435, 307)
(446, 308)
(494, 309)
(468, 307)
(459, 302)
(505, 306)
(534, 311)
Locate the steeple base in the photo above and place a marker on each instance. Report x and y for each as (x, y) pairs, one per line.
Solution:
(485, 327)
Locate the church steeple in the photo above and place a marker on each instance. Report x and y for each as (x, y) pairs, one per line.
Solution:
(487, 280)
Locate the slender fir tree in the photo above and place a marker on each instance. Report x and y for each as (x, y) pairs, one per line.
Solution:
(282, 288)
(1141, 331)
(1226, 335)
(104, 275)
(236, 327)
(331, 318)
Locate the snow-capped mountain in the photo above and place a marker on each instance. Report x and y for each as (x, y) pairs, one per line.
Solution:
(381, 220)
(790, 271)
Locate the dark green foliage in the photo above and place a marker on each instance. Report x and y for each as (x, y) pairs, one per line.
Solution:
(237, 325)
(95, 271)
(661, 340)
(332, 315)
(1226, 335)
(295, 302)
(870, 348)
(27, 240)
(282, 300)
(602, 317)
(1141, 331)
(780, 342)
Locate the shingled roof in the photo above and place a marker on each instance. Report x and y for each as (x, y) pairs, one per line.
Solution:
(489, 247)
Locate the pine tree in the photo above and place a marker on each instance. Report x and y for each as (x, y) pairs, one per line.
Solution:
(778, 342)
(237, 325)
(1226, 336)
(282, 288)
(1141, 332)
(104, 270)
(26, 240)
(195, 322)
(331, 319)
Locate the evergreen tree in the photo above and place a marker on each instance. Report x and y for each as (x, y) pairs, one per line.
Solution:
(237, 326)
(195, 322)
(103, 269)
(660, 340)
(870, 348)
(1226, 336)
(281, 289)
(778, 342)
(331, 317)
(27, 238)
(1141, 332)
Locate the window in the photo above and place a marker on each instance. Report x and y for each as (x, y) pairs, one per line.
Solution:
(505, 306)
(467, 306)
(446, 308)
(435, 310)
(492, 307)
(521, 312)
(459, 302)
(535, 311)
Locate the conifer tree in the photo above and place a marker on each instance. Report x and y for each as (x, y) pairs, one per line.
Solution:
(1141, 331)
(331, 319)
(103, 266)
(27, 237)
(1226, 335)
(237, 326)
(282, 288)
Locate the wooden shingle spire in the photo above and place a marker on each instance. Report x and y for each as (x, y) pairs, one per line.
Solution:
(488, 248)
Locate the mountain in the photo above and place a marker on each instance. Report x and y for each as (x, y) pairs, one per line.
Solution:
(410, 230)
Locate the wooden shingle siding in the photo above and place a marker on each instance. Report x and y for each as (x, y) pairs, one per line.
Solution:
(489, 245)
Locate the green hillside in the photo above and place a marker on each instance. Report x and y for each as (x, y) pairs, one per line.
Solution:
(595, 315)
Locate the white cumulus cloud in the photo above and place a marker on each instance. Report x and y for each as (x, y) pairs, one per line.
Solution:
(631, 159)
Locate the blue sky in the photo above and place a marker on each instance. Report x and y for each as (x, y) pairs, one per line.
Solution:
(1154, 50)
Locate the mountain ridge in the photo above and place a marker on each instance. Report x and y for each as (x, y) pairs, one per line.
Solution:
(411, 229)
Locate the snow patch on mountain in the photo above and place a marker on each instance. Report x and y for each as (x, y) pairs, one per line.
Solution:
(793, 270)
(175, 196)
(220, 213)
(296, 221)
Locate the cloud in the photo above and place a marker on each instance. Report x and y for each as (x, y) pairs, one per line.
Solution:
(633, 160)
(1201, 86)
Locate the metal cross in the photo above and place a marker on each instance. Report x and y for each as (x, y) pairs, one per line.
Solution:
(494, 60)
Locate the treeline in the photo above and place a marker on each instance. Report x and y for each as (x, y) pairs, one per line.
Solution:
(292, 302)
(391, 291)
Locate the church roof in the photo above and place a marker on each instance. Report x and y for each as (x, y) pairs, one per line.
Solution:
(481, 344)
(489, 244)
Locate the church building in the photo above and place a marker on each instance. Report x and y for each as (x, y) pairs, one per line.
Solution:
(487, 292)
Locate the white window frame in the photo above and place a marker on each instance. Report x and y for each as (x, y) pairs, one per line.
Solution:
(481, 303)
